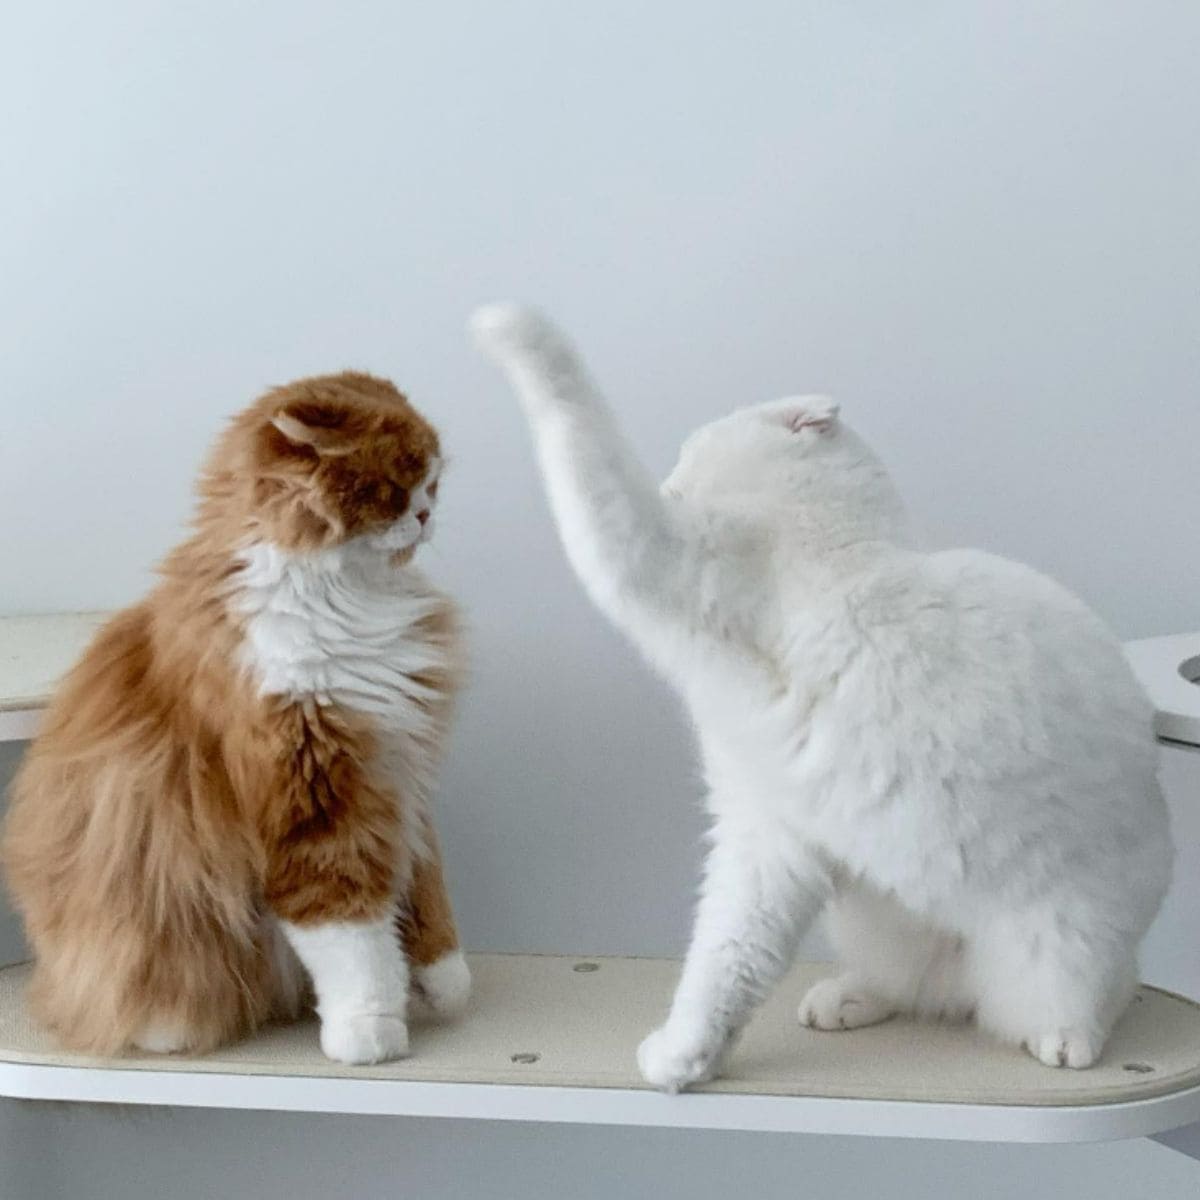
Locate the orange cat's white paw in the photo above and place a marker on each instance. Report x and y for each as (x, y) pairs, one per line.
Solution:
(162, 1037)
(445, 985)
(364, 1038)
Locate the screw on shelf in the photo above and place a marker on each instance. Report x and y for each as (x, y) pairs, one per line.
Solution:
(526, 1056)
(1138, 1068)
(585, 968)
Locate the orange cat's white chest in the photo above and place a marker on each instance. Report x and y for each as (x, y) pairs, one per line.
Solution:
(342, 627)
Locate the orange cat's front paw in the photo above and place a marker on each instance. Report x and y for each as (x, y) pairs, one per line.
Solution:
(445, 985)
(364, 1038)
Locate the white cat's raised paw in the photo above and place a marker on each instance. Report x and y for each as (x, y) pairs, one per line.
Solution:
(671, 1064)
(364, 1038)
(502, 328)
(445, 986)
(834, 1004)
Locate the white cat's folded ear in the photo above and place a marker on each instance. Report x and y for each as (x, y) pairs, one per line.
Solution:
(818, 413)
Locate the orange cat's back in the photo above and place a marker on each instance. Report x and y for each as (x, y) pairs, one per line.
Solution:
(125, 853)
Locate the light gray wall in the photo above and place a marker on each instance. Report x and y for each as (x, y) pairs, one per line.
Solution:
(975, 223)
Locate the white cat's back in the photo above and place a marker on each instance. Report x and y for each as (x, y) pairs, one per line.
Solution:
(948, 710)
(968, 645)
(1064, 669)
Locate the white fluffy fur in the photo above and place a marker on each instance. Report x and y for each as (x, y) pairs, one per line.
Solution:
(944, 752)
(337, 626)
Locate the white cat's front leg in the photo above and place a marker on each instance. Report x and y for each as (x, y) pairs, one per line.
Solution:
(642, 564)
(360, 975)
(757, 901)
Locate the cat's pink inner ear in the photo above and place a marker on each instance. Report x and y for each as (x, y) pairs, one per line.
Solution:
(812, 412)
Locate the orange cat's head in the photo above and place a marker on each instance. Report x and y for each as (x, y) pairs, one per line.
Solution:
(327, 460)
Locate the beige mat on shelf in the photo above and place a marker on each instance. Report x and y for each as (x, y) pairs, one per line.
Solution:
(575, 1022)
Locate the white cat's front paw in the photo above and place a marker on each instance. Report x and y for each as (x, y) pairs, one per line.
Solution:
(445, 985)
(1065, 1048)
(836, 1004)
(670, 1063)
(364, 1038)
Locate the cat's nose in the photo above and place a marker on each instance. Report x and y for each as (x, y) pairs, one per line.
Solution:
(423, 515)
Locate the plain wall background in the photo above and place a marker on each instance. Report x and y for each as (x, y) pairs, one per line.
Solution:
(974, 223)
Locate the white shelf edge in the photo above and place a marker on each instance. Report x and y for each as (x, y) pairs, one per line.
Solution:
(1156, 662)
(606, 1106)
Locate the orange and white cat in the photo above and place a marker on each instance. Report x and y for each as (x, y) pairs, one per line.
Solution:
(233, 781)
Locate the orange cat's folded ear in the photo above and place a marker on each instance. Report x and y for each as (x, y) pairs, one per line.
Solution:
(309, 428)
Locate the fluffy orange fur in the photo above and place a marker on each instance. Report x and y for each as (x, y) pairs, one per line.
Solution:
(167, 808)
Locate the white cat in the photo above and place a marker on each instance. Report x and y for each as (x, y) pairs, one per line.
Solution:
(944, 752)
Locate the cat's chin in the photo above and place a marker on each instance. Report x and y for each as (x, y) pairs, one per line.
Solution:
(401, 558)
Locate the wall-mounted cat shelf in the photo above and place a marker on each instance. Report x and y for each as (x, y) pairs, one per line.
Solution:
(1169, 668)
(553, 1039)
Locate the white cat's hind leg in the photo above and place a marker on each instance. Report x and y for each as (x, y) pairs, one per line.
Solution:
(1054, 989)
(892, 962)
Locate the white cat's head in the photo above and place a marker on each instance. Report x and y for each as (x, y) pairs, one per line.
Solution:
(792, 457)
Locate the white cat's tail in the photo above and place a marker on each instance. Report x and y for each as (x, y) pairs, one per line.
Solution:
(539, 360)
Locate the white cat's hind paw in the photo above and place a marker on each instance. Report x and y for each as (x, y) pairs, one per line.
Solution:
(1065, 1048)
(670, 1064)
(834, 1004)
(364, 1038)
(445, 986)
